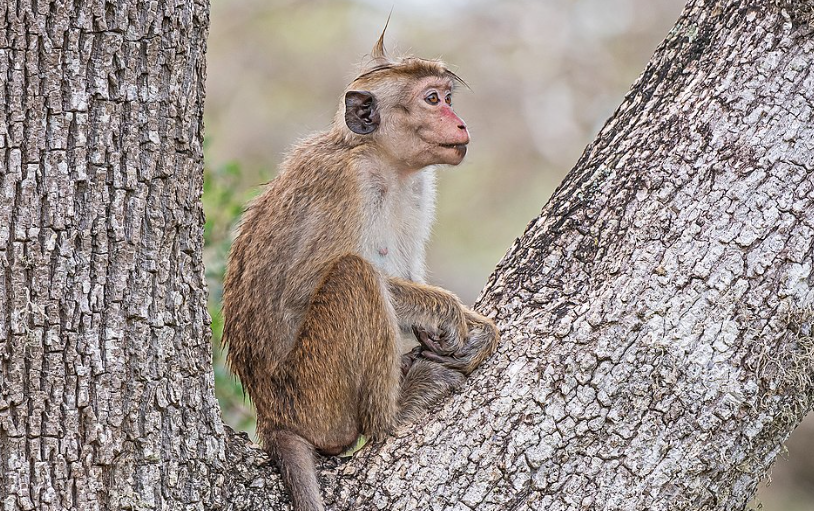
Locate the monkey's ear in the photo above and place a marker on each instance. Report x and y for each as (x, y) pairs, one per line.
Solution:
(361, 112)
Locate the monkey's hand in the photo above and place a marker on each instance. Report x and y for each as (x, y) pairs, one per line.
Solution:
(481, 341)
(447, 337)
(437, 343)
(437, 317)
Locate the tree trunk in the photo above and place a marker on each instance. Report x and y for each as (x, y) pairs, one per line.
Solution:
(657, 317)
(106, 397)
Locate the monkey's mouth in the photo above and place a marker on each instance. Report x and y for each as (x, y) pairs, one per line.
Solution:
(459, 148)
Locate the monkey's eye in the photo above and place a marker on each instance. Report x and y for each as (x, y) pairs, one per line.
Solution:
(432, 98)
(448, 99)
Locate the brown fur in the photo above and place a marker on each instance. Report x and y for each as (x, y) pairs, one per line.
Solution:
(325, 276)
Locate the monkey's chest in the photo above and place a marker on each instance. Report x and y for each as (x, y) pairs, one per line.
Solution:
(392, 249)
(395, 236)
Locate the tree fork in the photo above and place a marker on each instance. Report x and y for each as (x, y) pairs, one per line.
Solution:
(657, 316)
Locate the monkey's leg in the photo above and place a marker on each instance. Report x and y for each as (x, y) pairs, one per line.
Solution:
(425, 383)
(362, 326)
(340, 380)
(352, 328)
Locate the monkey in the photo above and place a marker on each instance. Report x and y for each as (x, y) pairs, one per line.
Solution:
(328, 321)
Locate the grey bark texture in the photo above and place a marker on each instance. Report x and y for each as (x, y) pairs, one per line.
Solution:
(106, 387)
(657, 316)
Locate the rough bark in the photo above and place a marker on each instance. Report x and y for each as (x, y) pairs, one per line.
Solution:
(106, 397)
(657, 316)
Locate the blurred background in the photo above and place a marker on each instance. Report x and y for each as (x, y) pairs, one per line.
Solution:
(544, 77)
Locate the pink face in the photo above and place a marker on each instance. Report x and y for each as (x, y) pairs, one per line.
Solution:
(442, 133)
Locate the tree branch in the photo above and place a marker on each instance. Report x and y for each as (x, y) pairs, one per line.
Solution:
(657, 316)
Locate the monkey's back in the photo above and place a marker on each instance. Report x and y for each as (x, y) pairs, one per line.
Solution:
(306, 217)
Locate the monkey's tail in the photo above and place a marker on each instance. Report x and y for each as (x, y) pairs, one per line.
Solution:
(295, 458)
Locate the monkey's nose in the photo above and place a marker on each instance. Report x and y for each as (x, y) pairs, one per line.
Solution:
(465, 133)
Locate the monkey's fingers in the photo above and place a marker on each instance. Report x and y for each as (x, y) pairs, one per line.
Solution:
(451, 341)
(430, 341)
(464, 360)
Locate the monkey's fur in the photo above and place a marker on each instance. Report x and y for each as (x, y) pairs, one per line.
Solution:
(325, 278)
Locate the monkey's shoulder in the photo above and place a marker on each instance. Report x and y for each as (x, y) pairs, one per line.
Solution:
(309, 181)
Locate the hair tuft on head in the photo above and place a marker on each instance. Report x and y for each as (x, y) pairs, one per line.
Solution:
(399, 66)
(379, 53)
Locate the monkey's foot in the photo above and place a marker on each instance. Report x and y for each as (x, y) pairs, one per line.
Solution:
(408, 359)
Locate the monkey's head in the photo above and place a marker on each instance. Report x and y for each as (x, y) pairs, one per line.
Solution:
(403, 108)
